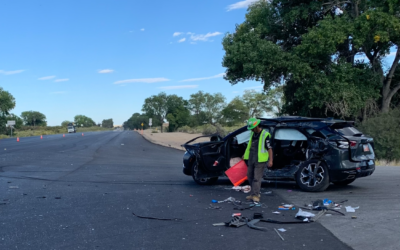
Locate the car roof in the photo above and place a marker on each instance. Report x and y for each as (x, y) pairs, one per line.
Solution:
(288, 119)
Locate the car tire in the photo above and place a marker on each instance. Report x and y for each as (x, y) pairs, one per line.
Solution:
(343, 183)
(313, 176)
(202, 181)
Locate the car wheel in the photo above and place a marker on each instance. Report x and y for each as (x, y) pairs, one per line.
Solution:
(343, 183)
(201, 181)
(313, 176)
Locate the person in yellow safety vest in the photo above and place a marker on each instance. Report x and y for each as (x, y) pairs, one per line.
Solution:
(257, 154)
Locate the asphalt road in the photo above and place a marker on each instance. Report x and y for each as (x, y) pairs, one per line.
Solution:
(79, 192)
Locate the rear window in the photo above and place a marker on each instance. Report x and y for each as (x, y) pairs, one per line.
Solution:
(348, 131)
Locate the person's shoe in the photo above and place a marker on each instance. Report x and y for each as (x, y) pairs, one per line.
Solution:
(250, 197)
(256, 198)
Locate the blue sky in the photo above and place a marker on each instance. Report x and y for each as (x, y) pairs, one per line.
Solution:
(103, 58)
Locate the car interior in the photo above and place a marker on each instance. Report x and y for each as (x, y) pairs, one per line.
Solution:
(289, 146)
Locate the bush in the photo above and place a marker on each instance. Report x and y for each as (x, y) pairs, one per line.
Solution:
(384, 128)
(185, 129)
(209, 129)
(220, 130)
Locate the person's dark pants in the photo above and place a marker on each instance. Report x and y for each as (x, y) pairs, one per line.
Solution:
(255, 172)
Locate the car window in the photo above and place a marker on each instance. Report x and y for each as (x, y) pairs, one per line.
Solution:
(243, 137)
(348, 131)
(289, 134)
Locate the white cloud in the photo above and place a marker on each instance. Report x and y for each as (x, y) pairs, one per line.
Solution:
(202, 37)
(105, 71)
(11, 72)
(179, 87)
(182, 40)
(46, 77)
(240, 5)
(203, 78)
(143, 80)
(61, 80)
(58, 92)
(177, 34)
(142, 29)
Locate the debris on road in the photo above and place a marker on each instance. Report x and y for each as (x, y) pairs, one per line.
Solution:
(276, 212)
(42, 197)
(237, 222)
(246, 189)
(155, 218)
(13, 187)
(304, 214)
(252, 225)
(214, 207)
(219, 224)
(282, 230)
(350, 209)
(236, 214)
(354, 217)
(279, 233)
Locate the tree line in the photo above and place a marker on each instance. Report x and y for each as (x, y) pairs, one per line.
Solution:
(29, 119)
(205, 108)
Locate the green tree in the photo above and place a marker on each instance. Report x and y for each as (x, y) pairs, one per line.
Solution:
(178, 114)
(257, 103)
(107, 123)
(312, 47)
(7, 102)
(83, 121)
(196, 106)
(213, 105)
(156, 106)
(33, 118)
(65, 123)
(236, 112)
(136, 120)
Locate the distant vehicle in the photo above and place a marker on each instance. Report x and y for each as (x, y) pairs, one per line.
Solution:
(311, 151)
(71, 128)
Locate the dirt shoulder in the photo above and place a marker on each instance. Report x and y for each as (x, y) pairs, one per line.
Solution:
(173, 140)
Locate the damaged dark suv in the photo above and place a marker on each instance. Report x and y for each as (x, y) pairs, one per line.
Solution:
(311, 151)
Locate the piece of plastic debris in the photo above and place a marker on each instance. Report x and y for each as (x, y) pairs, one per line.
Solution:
(305, 214)
(214, 201)
(326, 202)
(214, 207)
(279, 233)
(230, 199)
(269, 192)
(13, 187)
(328, 215)
(306, 219)
(154, 218)
(288, 205)
(350, 209)
(43, 197)
(219, 224)
(286, 208)
(237, 222)
(354, 217)
(282, 230)
(236, 214)
(276, 212)
(252, 225)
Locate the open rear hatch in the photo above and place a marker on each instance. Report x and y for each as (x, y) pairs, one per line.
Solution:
(360, 146)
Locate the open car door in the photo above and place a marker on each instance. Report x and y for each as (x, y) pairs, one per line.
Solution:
(212, 157)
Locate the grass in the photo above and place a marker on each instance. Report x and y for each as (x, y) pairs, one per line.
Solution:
(52, 131)
(387, 163)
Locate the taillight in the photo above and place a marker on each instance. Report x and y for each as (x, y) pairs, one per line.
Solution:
(353, 144)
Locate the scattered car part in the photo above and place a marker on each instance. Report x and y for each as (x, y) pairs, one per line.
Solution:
(252, 225)
(279, 234)
(154, 218)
